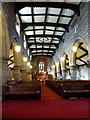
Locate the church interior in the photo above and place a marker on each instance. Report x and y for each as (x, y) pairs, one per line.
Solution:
(44, 59)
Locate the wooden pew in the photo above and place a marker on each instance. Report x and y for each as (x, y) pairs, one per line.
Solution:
(58, 86)
(22, 91)
(55, 84)
(75, 89)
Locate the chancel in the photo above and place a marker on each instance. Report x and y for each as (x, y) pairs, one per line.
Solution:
(44, 59)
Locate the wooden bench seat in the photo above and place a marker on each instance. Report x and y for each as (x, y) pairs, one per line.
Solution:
(70, 88)
(75, 89)
(22, 91)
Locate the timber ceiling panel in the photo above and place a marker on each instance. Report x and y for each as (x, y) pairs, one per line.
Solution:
(45, 23)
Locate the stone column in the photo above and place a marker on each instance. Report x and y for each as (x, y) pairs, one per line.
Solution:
(88, 71)
(30, 75)
(4, 47)
(28, 72)
(24, 70)
(58, 69)
(64, 73)
(17, 65)
(4, 70)
(73, 65)
(58, 75)
(54, 73)
(73, 72)
(53, 69)
(9, 74)
(63, 67)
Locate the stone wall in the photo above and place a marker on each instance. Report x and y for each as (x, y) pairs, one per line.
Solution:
(79, 28)
(9, 11)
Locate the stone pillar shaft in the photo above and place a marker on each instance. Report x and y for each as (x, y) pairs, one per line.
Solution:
(24, 75)
(17, 65)
(73, 72)
(58, 75)
(4, 71)
(63, 73)
(17, 73)
(24, 70)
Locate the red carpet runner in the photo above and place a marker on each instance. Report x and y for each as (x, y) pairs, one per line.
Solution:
(50, 106)
(47, 94)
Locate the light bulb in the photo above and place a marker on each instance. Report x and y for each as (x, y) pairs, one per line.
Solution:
(31, 66)
(17, 48)
(28, 63)
(24, 59)
(62, 58)
(74, 48)
(53, 66)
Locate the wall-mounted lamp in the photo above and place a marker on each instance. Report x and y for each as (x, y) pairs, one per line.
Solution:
(30, 66)
(62, 58)
(57, 63)
(74, 48)
(28, 63)
(25, 59)
(17, 48)
(53, 66)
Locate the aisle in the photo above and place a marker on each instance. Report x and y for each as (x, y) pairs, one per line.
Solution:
(48, 94)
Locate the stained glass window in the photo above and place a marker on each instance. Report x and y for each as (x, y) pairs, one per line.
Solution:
(41, 66)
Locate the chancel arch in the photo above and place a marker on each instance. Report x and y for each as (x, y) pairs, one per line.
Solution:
(42, 65)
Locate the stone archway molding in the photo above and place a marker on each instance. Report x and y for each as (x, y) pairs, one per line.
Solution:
(77, 42)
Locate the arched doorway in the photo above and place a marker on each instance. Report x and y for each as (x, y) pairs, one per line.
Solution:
(79, 58)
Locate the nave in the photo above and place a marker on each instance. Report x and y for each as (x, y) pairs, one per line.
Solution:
(45, 59)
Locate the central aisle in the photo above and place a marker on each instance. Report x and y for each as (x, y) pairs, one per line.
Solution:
(47, 94)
